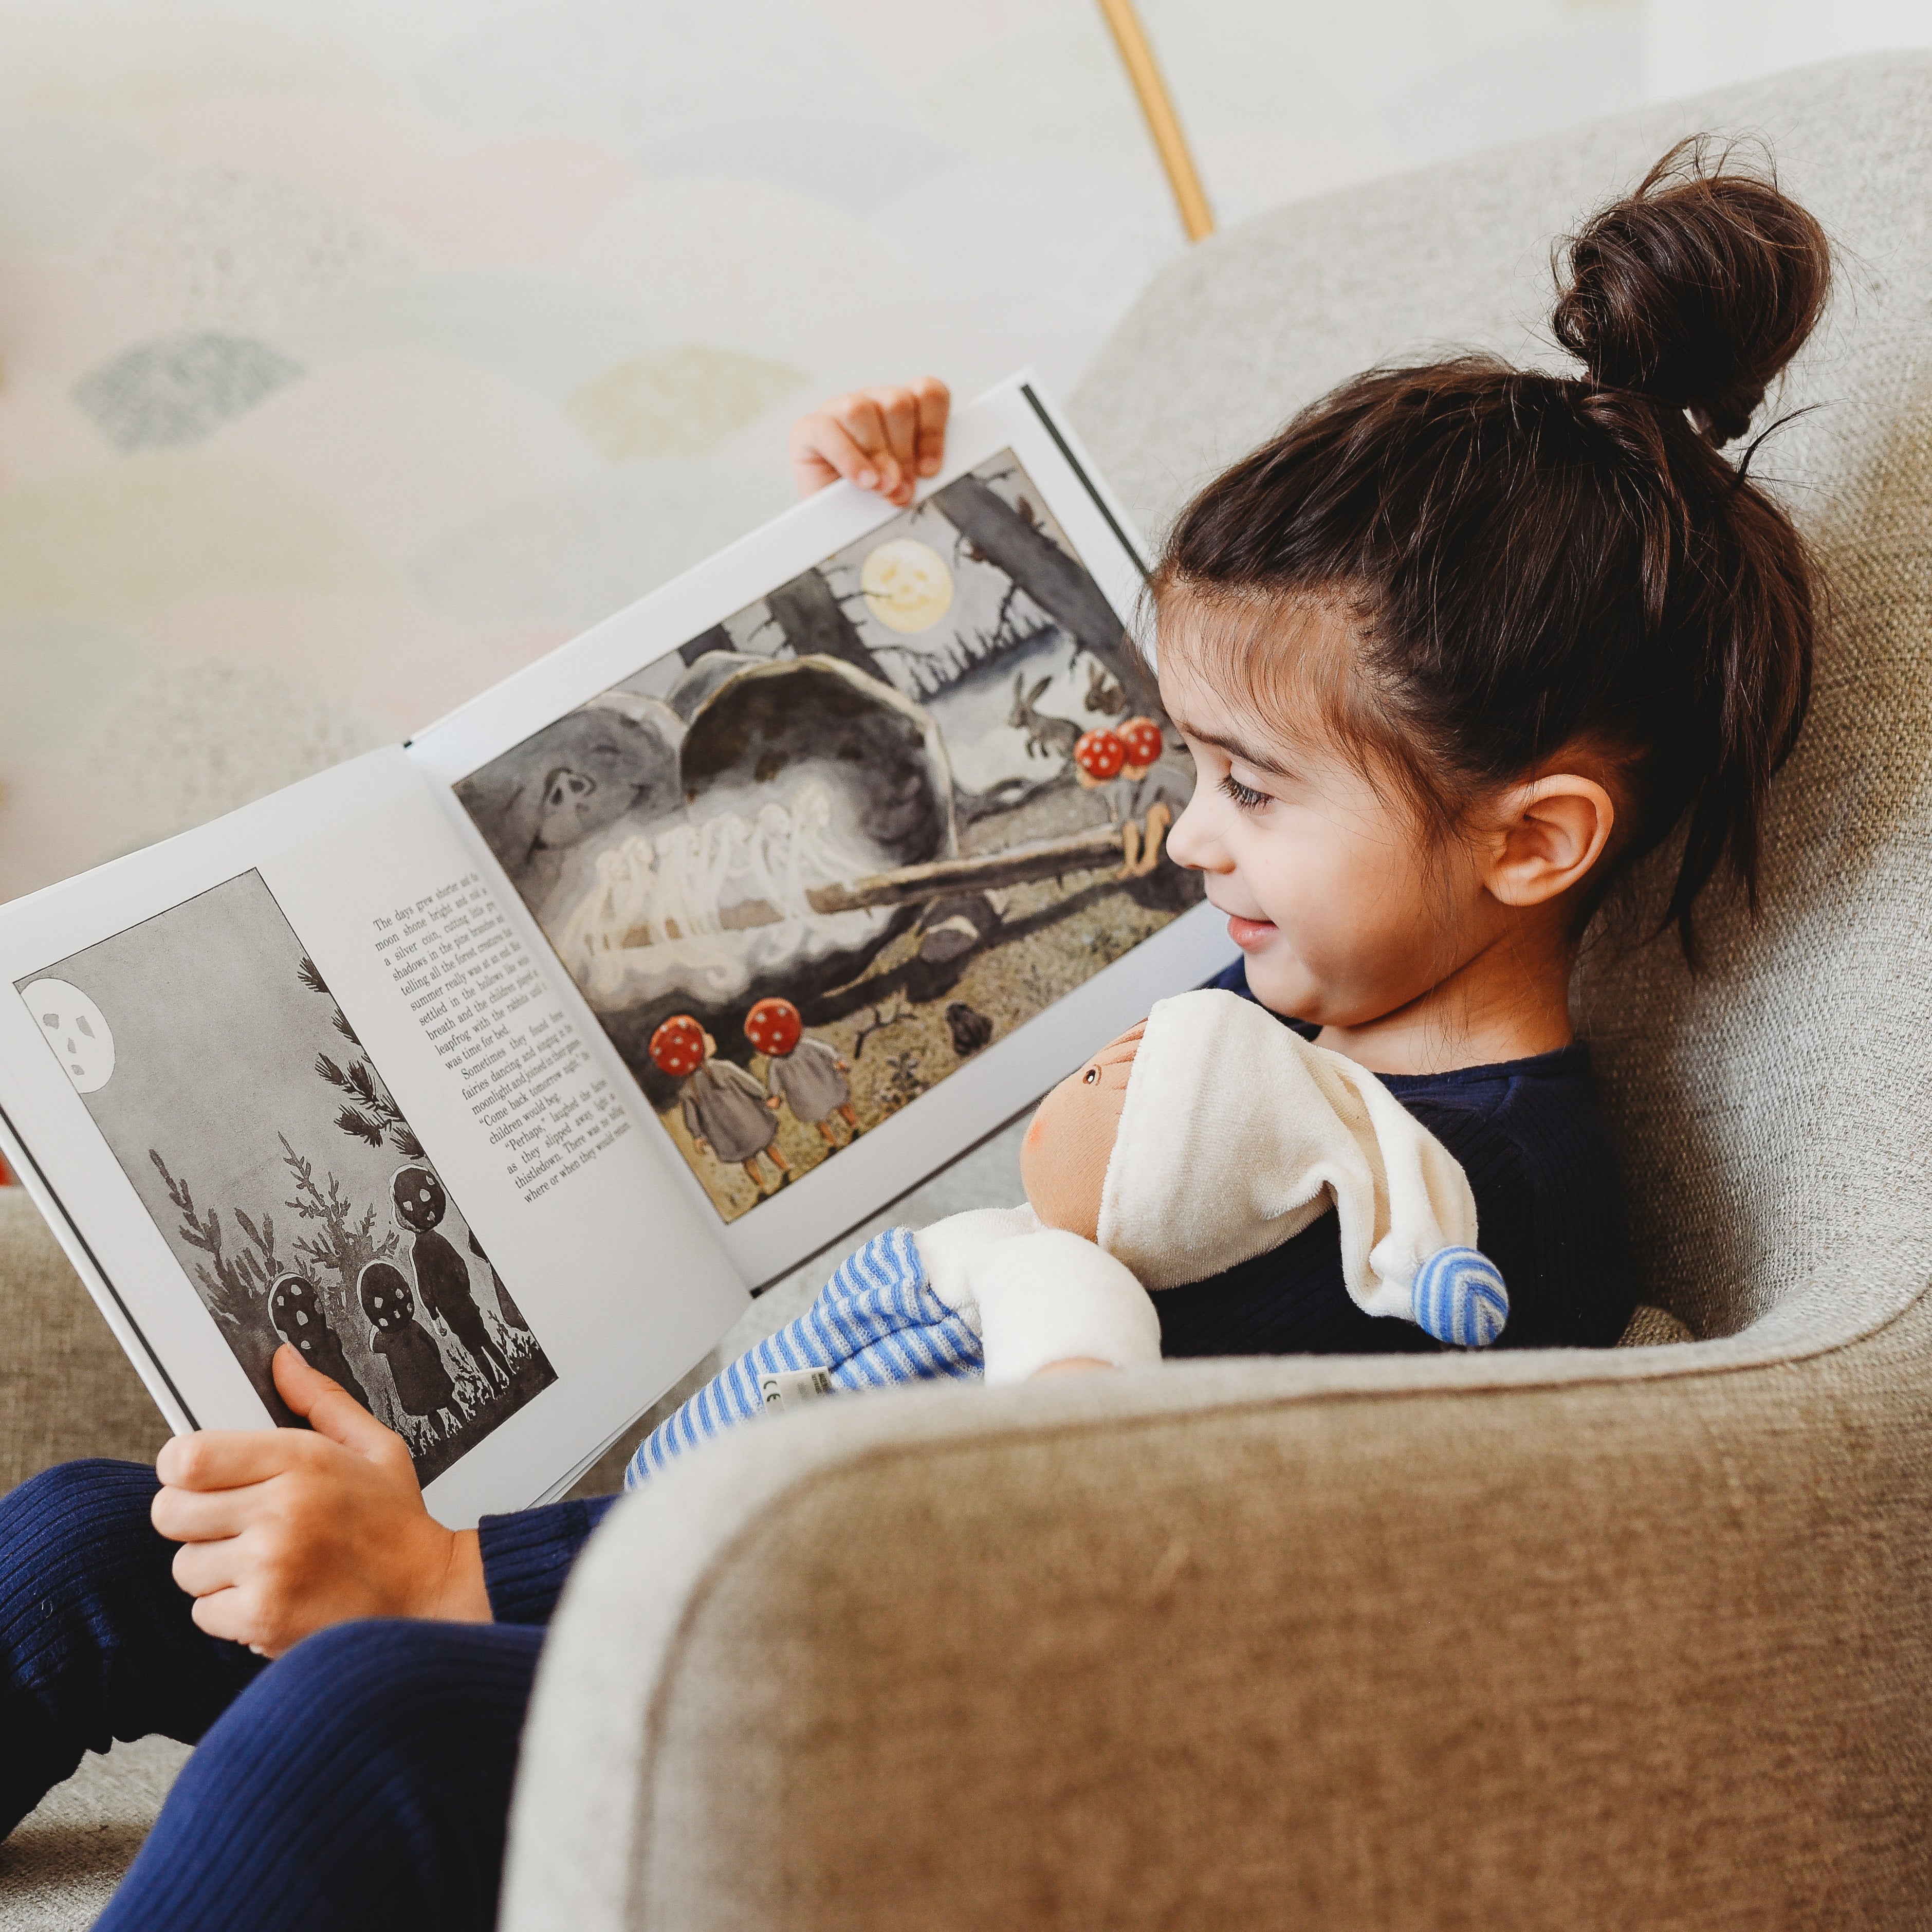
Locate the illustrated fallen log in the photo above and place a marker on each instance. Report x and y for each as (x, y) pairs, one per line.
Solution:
(1079, 852)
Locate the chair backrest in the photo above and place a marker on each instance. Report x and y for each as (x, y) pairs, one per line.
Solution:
(1775, 1114)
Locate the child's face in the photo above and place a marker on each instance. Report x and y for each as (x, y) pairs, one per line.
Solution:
(1338, 901)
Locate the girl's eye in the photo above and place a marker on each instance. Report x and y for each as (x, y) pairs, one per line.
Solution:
(1245, 797)
(1092, 1074)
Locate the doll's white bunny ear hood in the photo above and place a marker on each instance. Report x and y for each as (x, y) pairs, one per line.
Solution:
(1236, 1133)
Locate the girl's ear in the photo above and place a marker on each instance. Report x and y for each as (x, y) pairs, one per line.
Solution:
(1547, 835)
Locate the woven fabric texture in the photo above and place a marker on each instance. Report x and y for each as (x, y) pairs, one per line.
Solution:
(66, 1389)
(1631, 1637)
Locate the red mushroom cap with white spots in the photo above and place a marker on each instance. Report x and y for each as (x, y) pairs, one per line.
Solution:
(773, 1026)
(1100, 754)
(677, 1047)
(1142, 738)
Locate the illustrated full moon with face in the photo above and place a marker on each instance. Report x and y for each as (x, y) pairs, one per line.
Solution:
(907, 584)
(77, 1030)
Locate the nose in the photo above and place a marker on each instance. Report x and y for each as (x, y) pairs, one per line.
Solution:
(1190, 839)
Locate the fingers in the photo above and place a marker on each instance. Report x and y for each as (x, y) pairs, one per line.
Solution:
(899, 419)
(238, 1611)
(881, 438)
(331, 1410)
(842, 440)
(202, 1516)
(200, 1569)
(299, 1381)
(934, 401)
(225, 1458)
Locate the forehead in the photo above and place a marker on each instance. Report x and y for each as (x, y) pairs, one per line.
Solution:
(1268, 678)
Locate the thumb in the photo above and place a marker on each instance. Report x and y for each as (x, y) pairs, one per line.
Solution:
(328, 1408)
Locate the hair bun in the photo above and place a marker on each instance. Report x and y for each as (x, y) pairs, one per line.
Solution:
(1697, 290)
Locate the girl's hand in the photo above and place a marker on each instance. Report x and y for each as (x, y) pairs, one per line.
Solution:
(884, 439)
(284, 1531)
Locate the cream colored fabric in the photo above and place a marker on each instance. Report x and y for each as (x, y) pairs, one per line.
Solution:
(1236, 1133)
(1585, 1640)
(1035, 1295)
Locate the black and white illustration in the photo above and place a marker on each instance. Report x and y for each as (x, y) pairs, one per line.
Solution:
(808, 864)
(263, 1140)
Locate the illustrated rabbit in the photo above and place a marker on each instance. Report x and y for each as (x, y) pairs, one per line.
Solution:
(1105, 696)
(1047, 736)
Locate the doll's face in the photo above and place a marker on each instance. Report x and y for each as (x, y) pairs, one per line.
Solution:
(1063, 1158)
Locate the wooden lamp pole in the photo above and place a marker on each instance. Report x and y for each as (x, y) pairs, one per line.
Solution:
(1196, 217)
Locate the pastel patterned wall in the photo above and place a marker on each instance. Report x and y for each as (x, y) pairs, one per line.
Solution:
(354, 354)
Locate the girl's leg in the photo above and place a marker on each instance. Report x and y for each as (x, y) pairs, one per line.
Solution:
(96, 1641)
(363, 1781)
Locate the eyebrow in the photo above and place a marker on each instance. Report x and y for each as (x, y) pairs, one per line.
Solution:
(1234, 748)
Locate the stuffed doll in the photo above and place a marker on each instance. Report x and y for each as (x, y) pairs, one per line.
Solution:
(1206, 1135)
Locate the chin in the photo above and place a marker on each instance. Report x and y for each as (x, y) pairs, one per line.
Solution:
(1281, 986)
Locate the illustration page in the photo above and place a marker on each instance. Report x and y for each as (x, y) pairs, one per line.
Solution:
(300, 1076)
(847, 828)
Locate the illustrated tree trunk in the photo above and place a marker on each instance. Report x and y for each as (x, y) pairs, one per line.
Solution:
(1052, 578)
(814, 621)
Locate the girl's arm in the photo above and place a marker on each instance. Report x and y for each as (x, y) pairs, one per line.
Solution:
(881, 438)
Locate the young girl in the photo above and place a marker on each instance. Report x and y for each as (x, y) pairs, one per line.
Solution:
(1452, 652)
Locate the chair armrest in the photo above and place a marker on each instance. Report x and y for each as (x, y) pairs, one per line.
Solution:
(1642, 1642)
(66, 1389)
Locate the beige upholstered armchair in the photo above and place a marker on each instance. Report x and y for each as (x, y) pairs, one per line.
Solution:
(1638, 1638)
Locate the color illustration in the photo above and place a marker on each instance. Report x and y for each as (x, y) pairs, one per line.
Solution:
(806, 864)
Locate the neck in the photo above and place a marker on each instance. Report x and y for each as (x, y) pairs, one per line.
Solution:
(1509, 1001)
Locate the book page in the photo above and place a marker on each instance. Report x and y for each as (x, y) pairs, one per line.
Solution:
(852, 840)
(300, 1076)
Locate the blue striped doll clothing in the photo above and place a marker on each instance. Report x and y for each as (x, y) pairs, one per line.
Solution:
(876, 1323)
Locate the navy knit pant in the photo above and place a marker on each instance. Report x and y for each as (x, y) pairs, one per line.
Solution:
(362, 1780)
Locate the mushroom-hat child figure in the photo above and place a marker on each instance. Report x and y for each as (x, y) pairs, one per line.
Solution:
(1155, 792)
(442, 1276)
(1143, 793)
(726, 1112)
(295, 1310)
(1098, 759)
(807, 1074)
(423, 1386)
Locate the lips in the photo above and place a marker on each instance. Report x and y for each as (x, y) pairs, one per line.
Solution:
(1248, 934)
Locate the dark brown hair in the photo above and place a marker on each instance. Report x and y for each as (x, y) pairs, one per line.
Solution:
(1530, 562)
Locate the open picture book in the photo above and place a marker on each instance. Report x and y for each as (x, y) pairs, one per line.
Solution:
(496, 1070)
